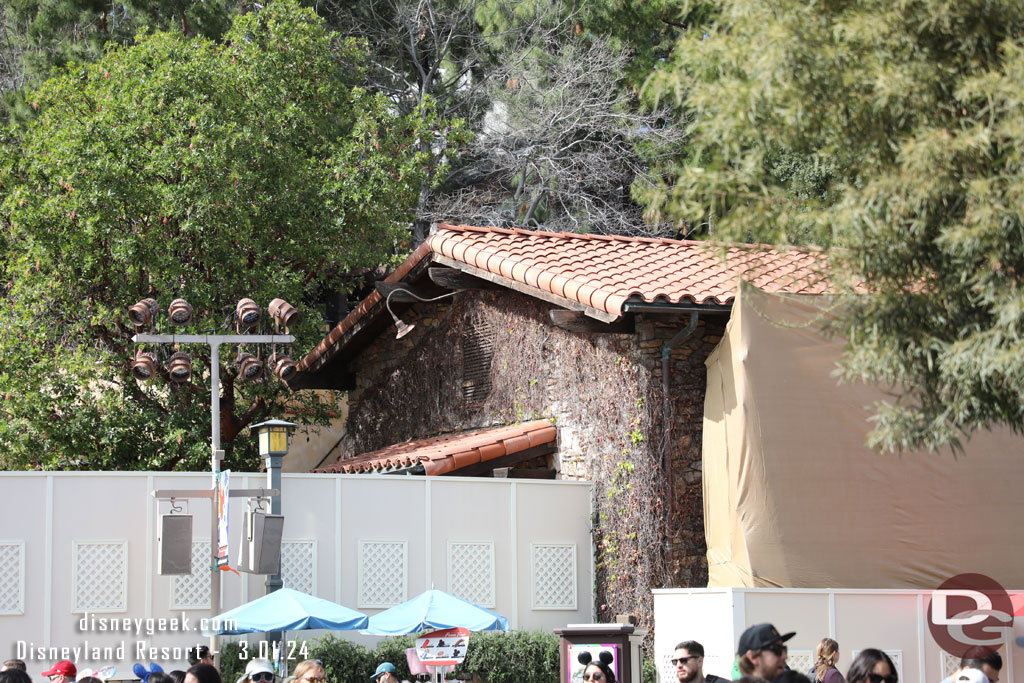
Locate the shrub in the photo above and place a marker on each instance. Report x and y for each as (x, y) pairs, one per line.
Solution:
(344, 661)
(393, 650)
(517, 657)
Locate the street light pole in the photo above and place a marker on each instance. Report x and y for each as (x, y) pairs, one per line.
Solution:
(214, 341)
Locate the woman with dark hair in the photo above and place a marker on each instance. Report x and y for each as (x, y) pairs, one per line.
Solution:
(202, 673)
(597, 670)
(14, 676)
(178, 676)
(872, 666)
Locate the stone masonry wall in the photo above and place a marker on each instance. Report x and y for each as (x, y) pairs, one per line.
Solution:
(604, 393)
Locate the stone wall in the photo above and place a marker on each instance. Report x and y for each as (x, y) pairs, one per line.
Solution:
(602, 390)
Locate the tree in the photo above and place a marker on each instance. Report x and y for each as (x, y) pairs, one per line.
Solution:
(38, 35)
(179, 167)
(913, 114)
(562, 143)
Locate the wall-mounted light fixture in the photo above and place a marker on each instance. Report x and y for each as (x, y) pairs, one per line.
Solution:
(404, 328)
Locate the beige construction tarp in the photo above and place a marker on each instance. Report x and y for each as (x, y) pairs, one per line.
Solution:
(793, 497)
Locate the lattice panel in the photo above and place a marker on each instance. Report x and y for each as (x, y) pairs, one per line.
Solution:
(298, 565)
(800, 660)
(667, 672)
(948, 664)
(12, 577)
(100, 576)
(554, 575)
(192, 591)
(383, 573)
(471, 571)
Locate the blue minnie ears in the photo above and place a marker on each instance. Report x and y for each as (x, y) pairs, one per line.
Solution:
(144, 673)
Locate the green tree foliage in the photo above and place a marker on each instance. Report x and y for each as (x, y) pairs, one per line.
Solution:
(44, 34)
(648, 29)
(179, 167)
(912, 116)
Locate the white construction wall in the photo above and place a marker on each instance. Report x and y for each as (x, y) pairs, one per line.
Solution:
(76, 545)
(891, 620)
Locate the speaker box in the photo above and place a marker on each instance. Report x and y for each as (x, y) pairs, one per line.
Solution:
(260, 549)
(174, 545)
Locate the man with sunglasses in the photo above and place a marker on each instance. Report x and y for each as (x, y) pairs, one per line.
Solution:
(62, 672)
(689, 663)
(762, 651)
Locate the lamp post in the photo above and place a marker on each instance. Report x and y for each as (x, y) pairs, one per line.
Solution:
(273, 438)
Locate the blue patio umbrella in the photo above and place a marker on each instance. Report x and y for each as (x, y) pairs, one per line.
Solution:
(432, 610)
(287, 610)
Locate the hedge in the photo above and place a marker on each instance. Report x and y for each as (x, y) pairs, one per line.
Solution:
(517, 657)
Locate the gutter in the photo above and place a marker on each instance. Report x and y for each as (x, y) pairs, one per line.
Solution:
(664, 307)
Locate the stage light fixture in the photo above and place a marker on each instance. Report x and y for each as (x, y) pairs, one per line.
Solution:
(144, 365)
(180, 312)
(250, 367)
(179, 367)
(247, 313)
(143, 313)
(283, 312)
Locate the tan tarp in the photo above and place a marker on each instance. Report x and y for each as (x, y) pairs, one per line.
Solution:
(793, 498)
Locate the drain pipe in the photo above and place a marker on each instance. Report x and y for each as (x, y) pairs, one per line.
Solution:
(666, 354)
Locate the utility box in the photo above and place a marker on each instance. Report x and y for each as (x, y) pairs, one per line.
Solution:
(621, 640)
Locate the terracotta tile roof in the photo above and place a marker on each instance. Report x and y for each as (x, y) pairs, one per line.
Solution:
(604, 271)
(444, 454)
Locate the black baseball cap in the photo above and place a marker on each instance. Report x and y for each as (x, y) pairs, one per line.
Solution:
(759, 636)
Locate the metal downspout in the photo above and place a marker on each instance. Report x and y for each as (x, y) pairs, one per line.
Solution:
(666, 354)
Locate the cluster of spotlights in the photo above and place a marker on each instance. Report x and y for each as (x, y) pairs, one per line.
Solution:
(247, 316)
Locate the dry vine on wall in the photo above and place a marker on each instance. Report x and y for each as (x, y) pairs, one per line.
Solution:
(595, 387)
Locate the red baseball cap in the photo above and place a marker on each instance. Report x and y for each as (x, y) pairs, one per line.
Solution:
(62, 668)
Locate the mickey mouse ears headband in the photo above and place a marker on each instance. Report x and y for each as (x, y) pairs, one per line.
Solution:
(605, 657)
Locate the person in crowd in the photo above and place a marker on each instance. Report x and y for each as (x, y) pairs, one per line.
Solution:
(205, 673)
(989, 663)
(158, 677)
(762, 651)
(385, 673)
(14, 675)
(200, 654)
(309, 671)
(750, 679)
(62, 672)
(256, 671)
(178, 676)
(144, 674)
(789, 676)
(825, 662)
(93, 679)
(971, 676)
(689, 663)
(14, 664)
(872, 666)
(597, 670)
